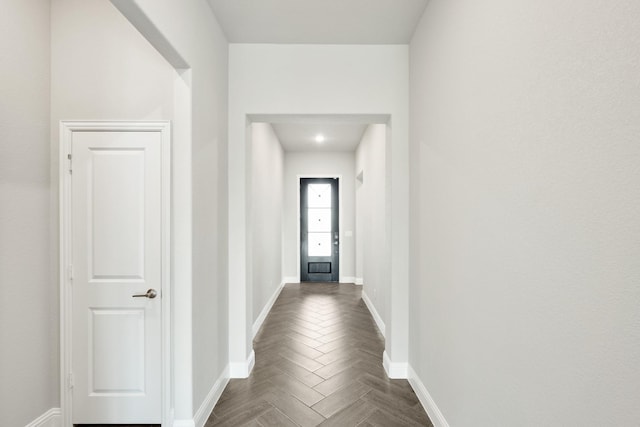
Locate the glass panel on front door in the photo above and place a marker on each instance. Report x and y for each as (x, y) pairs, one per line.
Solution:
(319, 244)
(319, 219)
(319, 196)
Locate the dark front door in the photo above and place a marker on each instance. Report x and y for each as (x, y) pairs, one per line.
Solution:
(319, 234)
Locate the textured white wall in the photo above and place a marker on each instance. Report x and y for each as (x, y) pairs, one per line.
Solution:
(318, 80)
(525, 119)
(371, 238)
(28, 291)
(189, 29)
(267, 186)
(318, 164)
(101, 69)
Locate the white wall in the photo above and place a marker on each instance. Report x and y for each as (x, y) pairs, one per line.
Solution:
(371, 238)
(28, 296)
(524, 298)
(120, 76)
(190, 37)
(210, 284)
(320, 164)
(318, 80)
(102, 69)
(266, 214)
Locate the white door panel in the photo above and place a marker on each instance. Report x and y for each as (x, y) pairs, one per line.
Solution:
(116, 240)
(116, 233)
(121, 329)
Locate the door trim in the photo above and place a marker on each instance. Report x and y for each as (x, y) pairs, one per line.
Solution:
(340, 228)
(67, 128)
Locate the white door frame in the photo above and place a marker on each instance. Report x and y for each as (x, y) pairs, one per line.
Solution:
(320, 175)
(67, 128)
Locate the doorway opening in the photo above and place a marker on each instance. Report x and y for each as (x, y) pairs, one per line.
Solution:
(319, 230)
(115, 227)
(265, 213)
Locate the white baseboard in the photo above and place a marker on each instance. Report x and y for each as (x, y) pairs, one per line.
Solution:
(359, 281)
(203, 413)
(242, 369)
(394, 370)
(348, 279)
(184, 423)
(429, 405)
(267, 308)
(51, 418)
(374, 313)
(291, 279)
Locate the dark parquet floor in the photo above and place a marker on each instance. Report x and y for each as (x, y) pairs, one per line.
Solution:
(318, 362)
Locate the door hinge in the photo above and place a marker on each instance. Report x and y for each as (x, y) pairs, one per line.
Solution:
(70, 273)
(70, 168)
(70, 380)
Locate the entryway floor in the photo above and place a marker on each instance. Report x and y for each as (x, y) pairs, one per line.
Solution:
(319, 362)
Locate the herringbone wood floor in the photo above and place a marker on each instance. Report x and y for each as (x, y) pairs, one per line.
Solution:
(318, 362)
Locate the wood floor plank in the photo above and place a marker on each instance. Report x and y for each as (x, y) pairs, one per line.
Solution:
(300, 413)
(318, 362)
(385, 419)
(243, 414)
(340, 399)
(334, 355)
(300, 360)
(297, 371)
(275, 418)
(302, 392)
(302, 349)
(304, 339)
(338, 381)
(387, 403)
(352, 415)
(330, 346)
(407, 397)
(336, 367)
(305, 331)
(227, 405)
(331, 336)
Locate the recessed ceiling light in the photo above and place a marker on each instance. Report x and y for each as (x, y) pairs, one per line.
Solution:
(319, 138)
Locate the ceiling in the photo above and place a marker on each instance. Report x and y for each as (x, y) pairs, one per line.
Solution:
(341, 132)
(337, 136)
(319, 21)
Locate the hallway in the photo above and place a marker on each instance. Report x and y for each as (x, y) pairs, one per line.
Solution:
(319, 362)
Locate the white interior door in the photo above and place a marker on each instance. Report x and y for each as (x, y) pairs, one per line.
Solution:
(116, 254)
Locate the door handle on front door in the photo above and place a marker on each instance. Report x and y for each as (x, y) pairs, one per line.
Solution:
(151, 294)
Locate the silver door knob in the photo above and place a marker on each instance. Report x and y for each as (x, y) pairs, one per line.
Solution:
(151, 294)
